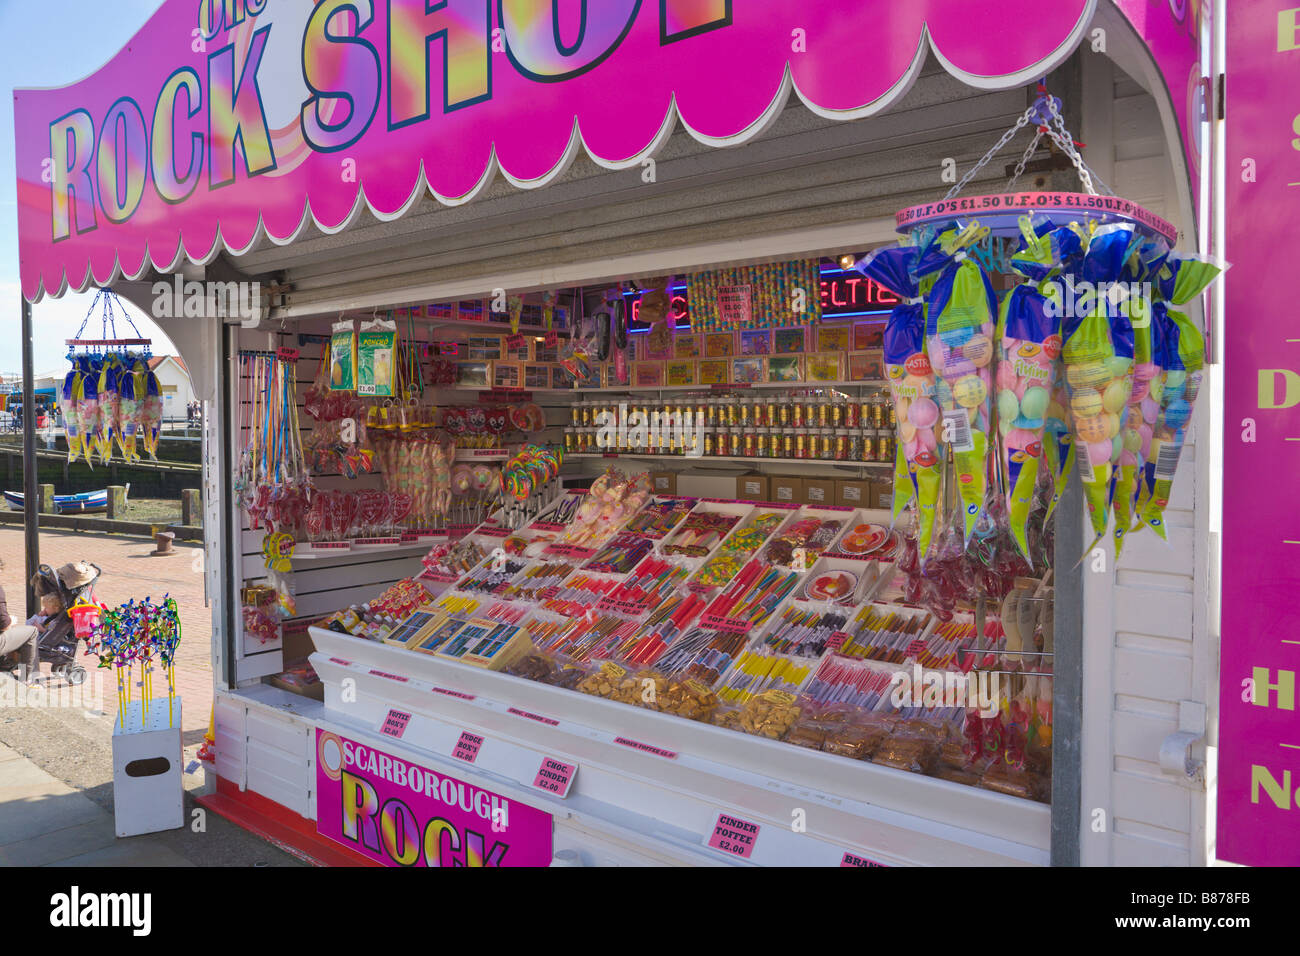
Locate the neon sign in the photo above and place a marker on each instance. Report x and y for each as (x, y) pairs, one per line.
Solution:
(849, 294)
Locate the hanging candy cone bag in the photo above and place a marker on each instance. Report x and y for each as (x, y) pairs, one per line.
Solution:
(961, 311)
(1183, 356)
(912, 388)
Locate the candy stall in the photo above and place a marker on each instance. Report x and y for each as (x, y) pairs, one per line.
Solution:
(778, 505)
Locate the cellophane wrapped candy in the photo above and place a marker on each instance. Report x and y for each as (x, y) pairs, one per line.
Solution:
(1098, 353)
(911, 380)
(961, 311)
(1029, 344)
(71, 425)
(1140, 272)
(1182, 351)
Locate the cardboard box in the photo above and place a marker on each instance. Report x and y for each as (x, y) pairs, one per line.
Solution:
(785, 489)
(882, 494)
(706, 484)
(850, 493)
(752, 487)
(663, 482)
(819, 491)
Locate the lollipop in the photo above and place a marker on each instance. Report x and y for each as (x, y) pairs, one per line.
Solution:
(461, 480)
(960, 314)
(911, 386)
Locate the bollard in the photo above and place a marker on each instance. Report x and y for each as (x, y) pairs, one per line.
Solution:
(116, 501)
(163, 543)
(191, 507)
(47, 499)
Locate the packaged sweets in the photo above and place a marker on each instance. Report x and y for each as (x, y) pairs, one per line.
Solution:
(377, 358)
(343, 356)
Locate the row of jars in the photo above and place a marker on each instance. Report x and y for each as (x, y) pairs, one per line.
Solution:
(776, 411)
(819, 444)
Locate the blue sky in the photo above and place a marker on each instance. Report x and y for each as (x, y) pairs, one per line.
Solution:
(52, 43)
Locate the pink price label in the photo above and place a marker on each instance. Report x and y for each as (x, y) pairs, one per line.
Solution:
(516, 341)
(442, 577)
(836, 641)
(850, 859)
(646, 748)
(715, 622)
(452, 693)
(555, 777)
(495, 532)
(395, 723)
(467, 747)
(552, 339)
(530, 716)
(735, 836)
(915, 648)
(547, 526)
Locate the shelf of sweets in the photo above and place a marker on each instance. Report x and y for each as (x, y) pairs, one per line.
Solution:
(721, 653)
(703, 458)
(722, 388)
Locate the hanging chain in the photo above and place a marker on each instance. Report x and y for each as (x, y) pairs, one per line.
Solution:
(1055, 130)
(1024, 160)
(1021, 123)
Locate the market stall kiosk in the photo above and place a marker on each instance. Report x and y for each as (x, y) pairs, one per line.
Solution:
(412, 757)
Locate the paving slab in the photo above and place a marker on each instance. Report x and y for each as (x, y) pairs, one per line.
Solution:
(27, 812)
(59, 845)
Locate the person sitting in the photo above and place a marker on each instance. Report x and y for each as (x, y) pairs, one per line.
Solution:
(19, 641)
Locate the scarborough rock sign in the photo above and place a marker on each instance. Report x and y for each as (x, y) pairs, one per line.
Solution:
(225, 118)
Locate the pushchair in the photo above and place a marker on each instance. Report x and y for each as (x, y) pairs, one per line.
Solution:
(58, 643)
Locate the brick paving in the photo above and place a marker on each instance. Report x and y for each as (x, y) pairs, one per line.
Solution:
(129, 571)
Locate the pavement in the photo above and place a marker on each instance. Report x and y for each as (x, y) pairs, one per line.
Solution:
(56, 764)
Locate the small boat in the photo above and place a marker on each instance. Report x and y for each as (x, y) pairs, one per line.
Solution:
(87, 501)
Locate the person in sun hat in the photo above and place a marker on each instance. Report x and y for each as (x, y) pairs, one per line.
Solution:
(18, 640)
(76, 574)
